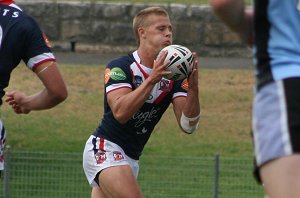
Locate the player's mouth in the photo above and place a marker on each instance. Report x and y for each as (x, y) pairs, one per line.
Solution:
(168, 42)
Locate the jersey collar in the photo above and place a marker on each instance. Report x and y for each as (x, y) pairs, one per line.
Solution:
(145, 70)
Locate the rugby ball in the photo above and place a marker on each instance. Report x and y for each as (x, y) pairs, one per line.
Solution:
(181, 61)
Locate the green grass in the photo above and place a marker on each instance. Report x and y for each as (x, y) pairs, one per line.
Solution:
(225, 97)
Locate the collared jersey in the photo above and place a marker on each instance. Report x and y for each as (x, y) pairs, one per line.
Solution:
(20, 39)
(277, 40)
(127, 72)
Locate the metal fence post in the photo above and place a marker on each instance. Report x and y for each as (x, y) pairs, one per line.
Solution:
(216, 176)
(6, 171)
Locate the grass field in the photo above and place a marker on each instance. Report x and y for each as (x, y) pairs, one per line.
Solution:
(225, 97)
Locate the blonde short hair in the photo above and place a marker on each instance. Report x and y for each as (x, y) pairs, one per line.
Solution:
(141, 19)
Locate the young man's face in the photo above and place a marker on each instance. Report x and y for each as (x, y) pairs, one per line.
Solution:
(159, 33)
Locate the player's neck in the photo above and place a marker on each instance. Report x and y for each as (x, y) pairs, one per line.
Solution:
(147, 56)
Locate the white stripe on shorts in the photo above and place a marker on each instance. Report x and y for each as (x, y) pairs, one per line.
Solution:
(284, 119)
(270, 123)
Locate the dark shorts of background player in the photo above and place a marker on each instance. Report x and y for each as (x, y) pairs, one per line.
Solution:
(2, 144)
(280, 99)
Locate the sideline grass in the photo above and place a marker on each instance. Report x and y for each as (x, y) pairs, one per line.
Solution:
(225, 96)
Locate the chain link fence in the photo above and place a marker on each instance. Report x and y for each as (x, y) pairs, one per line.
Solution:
(60, 175)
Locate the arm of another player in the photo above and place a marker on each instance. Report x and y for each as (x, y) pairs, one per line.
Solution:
(234, 14)
(187, 109)
(55, 91)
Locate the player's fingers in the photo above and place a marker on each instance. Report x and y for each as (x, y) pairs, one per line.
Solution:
(195, 63)
(162, 57)
(10, 93)
(166, 72)
(166, 64)
(193, 78)
(17, 109)
(160, 64)
(12, 103)
(9, 99)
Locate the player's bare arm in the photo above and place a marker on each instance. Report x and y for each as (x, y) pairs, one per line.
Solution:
(124, 102)
(55, 91)
(191, 107)
(187, 109)
(193, 78)
(236, 17)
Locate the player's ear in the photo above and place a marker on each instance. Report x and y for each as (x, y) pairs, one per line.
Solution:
(141, 32)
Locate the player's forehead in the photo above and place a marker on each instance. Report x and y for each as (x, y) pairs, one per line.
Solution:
(158, 20)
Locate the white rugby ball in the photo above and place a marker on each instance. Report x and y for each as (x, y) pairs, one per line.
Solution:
(181, 61)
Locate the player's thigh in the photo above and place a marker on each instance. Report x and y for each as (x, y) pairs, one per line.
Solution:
(97, 193)
(281, 177)
(119, 181)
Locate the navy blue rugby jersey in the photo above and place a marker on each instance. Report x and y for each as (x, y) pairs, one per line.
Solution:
(277, 40)
(127, 72)
(20, 39)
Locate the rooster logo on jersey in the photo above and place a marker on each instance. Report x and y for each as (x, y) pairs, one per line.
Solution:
(165, 85)
(137, 81)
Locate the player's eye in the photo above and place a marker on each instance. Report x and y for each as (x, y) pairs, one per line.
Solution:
(161, 28)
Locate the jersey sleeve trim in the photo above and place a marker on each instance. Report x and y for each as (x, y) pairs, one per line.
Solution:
(179, 94)
(39, 59)
(114, 87)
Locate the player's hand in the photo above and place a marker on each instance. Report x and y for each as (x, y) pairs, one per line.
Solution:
(159, 68)
(193, 77)
(17, 100)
